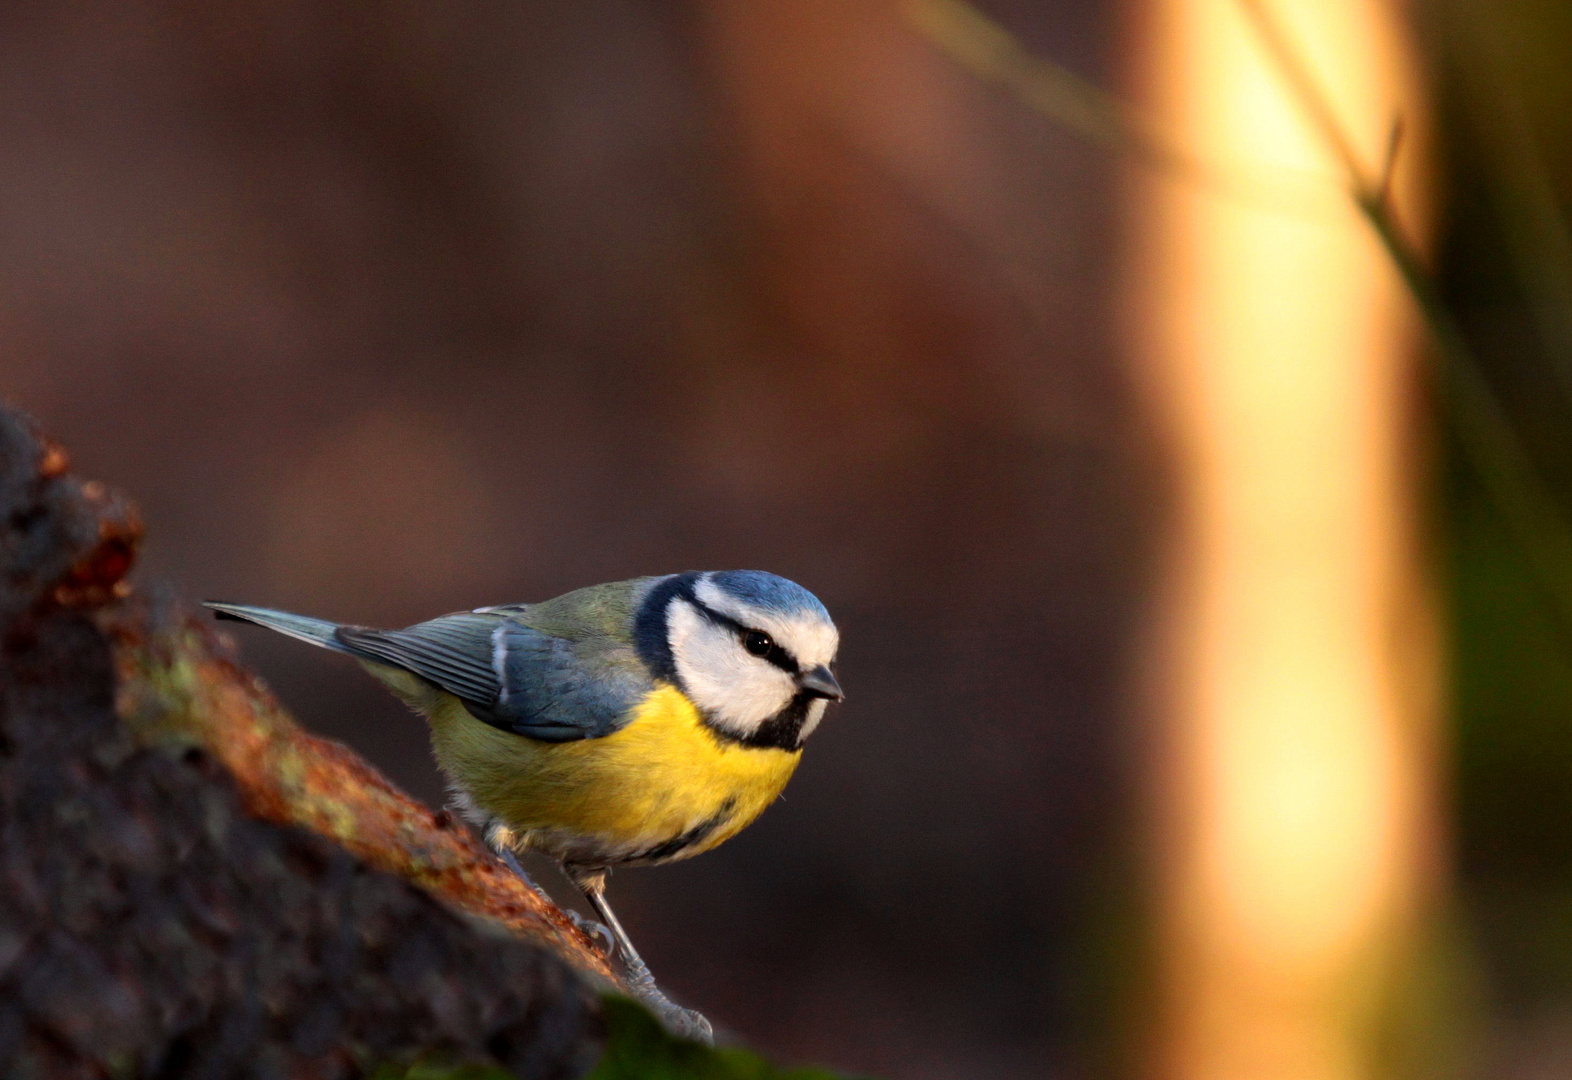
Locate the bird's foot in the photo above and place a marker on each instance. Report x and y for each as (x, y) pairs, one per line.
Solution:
(511, 861)
(595, 931)
(684, 1023)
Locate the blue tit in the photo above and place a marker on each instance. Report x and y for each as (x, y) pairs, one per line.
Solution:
(627, 724)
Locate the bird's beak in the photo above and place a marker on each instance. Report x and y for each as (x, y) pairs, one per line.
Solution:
(820, 683)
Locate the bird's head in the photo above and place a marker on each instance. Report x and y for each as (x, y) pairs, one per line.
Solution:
(750, 649)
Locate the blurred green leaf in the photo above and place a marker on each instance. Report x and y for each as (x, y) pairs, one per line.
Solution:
(436, 1070)
(638, 1048)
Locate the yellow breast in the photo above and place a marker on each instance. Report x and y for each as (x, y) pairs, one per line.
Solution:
(662, 787)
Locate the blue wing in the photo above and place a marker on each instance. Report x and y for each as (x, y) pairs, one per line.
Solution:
(513, 677)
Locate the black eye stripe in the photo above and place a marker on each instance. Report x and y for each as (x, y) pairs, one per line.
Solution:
(776, 654)
(781, 659)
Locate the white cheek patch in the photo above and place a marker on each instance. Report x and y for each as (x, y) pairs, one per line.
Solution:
(815, 713)
(812, 640)
(739, 690)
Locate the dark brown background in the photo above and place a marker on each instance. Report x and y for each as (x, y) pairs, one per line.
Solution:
(387, 310)
(382, 311)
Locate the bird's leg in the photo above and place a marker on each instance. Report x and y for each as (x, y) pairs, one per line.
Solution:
(512, 862)
(641, 984)
(500, 838)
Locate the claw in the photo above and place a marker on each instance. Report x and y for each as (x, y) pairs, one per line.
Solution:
(685, 1023)
(595, 931)
(512, 863)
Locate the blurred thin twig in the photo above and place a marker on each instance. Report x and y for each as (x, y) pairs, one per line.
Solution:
(1479, 420)
(987, 49)
(990, 52)
(1481, 423)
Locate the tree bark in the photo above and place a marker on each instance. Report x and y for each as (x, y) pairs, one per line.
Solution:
(192, 886)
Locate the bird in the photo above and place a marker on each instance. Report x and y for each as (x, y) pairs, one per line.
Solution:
(631, 723)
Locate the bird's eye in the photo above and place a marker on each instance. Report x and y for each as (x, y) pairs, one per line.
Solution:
(757, 642)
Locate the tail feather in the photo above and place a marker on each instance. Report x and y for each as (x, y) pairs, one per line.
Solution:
(300, 627)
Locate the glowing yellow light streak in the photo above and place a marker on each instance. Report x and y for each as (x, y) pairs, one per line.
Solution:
(1296, 662)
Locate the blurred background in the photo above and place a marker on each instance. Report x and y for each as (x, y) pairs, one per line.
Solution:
(385, 311)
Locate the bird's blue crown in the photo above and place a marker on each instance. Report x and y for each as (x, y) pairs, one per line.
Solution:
(769, 592)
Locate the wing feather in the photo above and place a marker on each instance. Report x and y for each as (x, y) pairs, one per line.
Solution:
(512, 676)
(454, 652)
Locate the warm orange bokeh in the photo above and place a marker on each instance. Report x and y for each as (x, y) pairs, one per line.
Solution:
(1296, 663)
